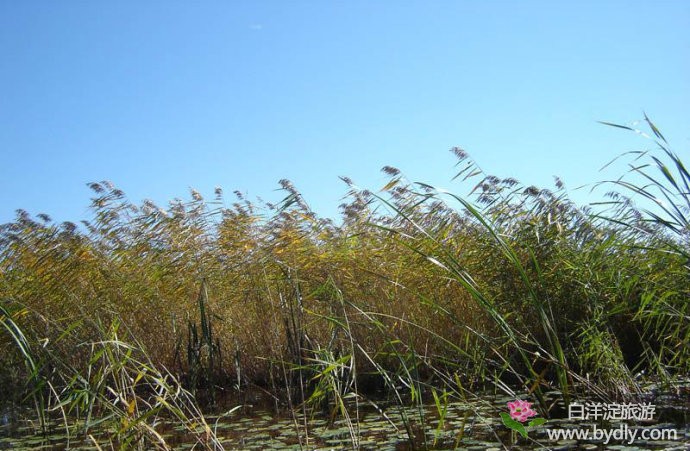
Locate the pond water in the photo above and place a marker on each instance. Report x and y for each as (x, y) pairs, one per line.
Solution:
(473, 426)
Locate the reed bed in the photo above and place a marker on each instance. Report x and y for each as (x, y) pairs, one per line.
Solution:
(416, 293)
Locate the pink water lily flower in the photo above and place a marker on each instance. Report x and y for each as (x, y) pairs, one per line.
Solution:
(521, 410)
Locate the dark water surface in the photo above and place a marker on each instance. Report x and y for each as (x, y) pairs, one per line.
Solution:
(473, 426)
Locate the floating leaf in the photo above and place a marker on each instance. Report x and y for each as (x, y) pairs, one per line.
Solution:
(537, 422)
(514, 425)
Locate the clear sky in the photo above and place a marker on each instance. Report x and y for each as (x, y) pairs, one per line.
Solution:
(161, 96)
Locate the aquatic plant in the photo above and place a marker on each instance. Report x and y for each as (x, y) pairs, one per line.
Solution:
(417, 295)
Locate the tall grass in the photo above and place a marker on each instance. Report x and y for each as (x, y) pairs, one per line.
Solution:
(203, 351)
(418, 294)
(113, 387)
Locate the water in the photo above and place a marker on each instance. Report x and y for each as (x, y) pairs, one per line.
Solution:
(473, 426)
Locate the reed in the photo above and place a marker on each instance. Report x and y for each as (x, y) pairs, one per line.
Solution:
(417, 294)
(114, 388)
(204, 363)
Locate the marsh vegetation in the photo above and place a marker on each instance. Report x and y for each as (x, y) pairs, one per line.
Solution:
(143, 315)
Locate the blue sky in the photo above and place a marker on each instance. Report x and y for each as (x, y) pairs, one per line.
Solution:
(159, 97)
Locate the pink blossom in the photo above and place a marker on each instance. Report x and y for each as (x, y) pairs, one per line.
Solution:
(521, 410)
